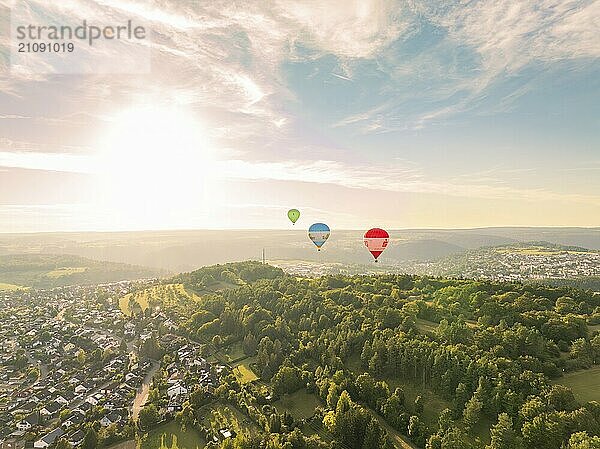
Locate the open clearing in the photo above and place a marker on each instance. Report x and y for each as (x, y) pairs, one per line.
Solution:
(158, 293)
(65, 271)
(233, 352)
(300, 404)
(585, 384)
(433, 404)
(221, 416)
(9, 287)
(244, 374)
(426, 326)
(171, 436)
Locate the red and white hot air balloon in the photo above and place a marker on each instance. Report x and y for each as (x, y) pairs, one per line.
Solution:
(376, 240)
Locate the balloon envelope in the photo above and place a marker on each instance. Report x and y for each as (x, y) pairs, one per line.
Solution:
(376, 241)
(293, 215)
(319, 233)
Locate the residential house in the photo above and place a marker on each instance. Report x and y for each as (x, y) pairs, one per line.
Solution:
(109, 419)
(29, 422)
(48, 439)
(176, 390)
(76, 438)
(51, 410)
(75, 418)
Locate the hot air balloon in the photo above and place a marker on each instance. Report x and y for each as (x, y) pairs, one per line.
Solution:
(293, 215)
(376, 240)
(319, 233)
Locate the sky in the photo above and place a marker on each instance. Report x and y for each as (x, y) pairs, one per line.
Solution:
(409, 114)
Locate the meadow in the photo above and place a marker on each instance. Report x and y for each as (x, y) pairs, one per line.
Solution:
(300, 405)
(244, 374)
(172, 436)
(585, 384)
(9, 287)
(156, 294)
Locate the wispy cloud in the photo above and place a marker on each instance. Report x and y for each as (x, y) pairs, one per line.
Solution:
(270, 81)
(503, 37)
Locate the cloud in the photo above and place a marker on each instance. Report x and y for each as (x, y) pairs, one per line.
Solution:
(62, 162)
(479, 45)
(392, 178)
(347, 28)
(398, 176)
(390, 65)
(508, 35)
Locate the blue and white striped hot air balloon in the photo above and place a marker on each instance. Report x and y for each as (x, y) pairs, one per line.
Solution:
(319, 233)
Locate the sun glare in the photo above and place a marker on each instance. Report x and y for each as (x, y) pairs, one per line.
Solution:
(154, 163)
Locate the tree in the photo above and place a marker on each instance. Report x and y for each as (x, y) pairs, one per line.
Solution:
(581, 440)
(151, 348)
(445, 421)
(583, 352)
(561, 398)
(80, 357)
(149, 417)
(62, 444)
(250, 344)
(472, 412)
(419, 404)
(461, 397)
(503, 435)
(274, 423)
(90, 441)
(287, 380)
(455, 438)
(416, 430)
(543, 432)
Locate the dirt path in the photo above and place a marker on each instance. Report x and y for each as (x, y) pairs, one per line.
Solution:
(142, 395)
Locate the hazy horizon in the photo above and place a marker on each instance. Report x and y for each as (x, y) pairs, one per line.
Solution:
(290, 229)
(185, 250)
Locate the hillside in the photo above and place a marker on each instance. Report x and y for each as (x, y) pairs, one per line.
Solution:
(411, 359)
(48, 271)
(179, 251)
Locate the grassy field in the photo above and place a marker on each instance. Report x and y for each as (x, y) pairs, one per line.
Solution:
(171, 436)
(140, 297)
(9, 287)
(594, 327)
(300, 404)
(433, 404)
(541, 250)
(129, 444)
(244, 374)
(225, 416)
(585, 384)
(159, 293)
(65, 271)
(233, 352)
(426, 326)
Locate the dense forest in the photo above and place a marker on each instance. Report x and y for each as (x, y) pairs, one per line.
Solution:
(490, 353)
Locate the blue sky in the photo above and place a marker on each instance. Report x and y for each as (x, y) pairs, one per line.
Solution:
(358, 113)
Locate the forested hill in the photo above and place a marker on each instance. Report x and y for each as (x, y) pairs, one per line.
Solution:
(227, 275)
(48, 271)
(449, 364)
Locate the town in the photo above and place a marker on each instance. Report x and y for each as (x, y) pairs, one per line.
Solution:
(70, 357)
(516, 264)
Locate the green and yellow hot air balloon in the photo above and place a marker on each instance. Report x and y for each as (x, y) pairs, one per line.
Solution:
(293, 215)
